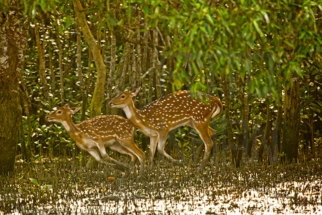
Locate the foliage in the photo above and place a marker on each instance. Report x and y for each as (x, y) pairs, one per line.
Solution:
(255, 46)
(268, 41)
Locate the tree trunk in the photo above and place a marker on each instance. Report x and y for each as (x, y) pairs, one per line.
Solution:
(123, 66)
(25, 145)
(61, 72)
(12, 44)
(291, 125)
(244, 135)
(52, 72)
(42, 62)
(110, 79)
(229, 129)
(80, 75)
(138, 55)
(156, 62)
(98, 94)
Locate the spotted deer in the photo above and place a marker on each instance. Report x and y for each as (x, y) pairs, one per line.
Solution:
(99, 132)
(169, 112)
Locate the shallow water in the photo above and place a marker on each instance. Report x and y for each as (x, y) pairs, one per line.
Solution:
(60, 187)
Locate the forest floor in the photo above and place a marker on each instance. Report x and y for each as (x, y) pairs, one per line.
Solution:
(61, 187)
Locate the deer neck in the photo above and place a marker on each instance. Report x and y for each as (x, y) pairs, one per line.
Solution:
(71, 129)
(133, 114)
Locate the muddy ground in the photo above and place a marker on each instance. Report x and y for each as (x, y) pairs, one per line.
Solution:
(61, 186)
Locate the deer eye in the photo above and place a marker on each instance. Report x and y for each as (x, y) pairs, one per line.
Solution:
(123, 96)
(59, 111)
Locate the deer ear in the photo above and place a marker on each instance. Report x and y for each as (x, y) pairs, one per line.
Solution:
(75, 110)
(134, 93)
(66, 105)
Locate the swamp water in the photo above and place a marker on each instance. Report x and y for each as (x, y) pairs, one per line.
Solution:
(60, 187)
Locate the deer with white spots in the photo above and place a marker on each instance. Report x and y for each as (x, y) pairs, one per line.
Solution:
(95, 134)
(169, 112)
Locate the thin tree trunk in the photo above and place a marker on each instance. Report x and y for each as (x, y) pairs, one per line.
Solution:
(244, 138)
(291, 120)
(134, 71)
(42, 63)
(144, 60)
(279, 126)
(111, 78)
(98, 94)
(156, 63)
(60, 62)
(80, 75)
(52, 72)
(268, 133)
(312, 134)
(150, 71)
(229, 129)
(276, 133)
(123, 66)
(26, 155)
(89, 72)
(245, 125)
(138, 53)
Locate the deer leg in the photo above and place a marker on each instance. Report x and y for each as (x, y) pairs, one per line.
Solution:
(133, 150)
(204, 135)
(153, 147)
(133, 158)
(98, 158)
(211, 131)
(161, 146)
(125, 147)
(123, 150)
(101, 147)
(106, 157)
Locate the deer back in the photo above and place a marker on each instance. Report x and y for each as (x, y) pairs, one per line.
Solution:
(179, 107)
(108, 127)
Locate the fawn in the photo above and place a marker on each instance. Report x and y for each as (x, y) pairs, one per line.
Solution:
(99, 132)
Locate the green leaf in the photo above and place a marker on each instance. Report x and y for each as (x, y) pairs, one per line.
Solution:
(265, 16)
(194, 67)
(210, 19)
(34, 181)
(289, 44)
(319, 103)
(248, 65)
(257, 28)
